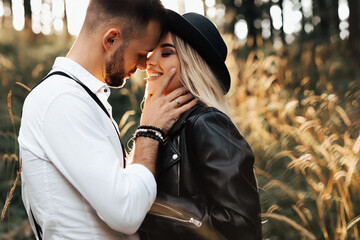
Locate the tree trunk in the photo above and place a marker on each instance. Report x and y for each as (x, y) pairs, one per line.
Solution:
(325, 21)
(205, 7)
(27, 8)
(282, 33)
(250, 16)
(354, 28)
(335, 17)
(272, 29)
(181, 4)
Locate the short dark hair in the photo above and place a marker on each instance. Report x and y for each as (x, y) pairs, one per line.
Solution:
(134, 13)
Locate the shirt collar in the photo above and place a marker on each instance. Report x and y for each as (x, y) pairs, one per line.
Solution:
(78, 72)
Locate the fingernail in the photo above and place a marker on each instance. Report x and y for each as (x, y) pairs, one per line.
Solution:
(173, 69)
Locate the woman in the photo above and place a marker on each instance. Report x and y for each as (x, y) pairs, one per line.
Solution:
(206, 183)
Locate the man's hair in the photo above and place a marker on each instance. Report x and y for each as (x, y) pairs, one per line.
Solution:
(132, 14)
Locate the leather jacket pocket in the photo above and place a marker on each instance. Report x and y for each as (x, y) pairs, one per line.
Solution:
(178, 219)
(165, 211)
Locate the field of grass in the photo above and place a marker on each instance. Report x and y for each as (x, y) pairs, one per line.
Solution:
(300, 113)
(298, 107)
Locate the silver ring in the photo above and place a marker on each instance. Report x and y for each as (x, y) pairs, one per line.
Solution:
(177, 102)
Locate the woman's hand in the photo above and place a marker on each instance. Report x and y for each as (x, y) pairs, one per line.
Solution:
(162, 111)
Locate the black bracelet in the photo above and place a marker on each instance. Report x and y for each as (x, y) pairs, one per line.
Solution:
(149, 135)
(152, 128)
(150, 131)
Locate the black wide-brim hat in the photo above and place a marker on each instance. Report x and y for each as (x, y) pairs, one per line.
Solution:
(200, 33)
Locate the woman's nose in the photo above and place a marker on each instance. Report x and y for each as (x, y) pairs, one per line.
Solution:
(151, 61)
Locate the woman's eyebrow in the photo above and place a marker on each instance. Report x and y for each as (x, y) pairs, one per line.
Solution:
(167, 45)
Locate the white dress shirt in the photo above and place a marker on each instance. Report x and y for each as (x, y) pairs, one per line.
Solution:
(72, 163)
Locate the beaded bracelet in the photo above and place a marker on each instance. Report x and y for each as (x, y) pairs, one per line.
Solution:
(151, 132)
(152, 128)
(149, 135)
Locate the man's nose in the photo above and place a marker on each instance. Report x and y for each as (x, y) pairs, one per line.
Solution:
(141, 64)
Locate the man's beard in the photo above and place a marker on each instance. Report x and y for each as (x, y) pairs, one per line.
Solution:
(115, 70)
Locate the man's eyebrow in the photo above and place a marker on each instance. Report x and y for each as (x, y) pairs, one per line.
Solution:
(167, 45)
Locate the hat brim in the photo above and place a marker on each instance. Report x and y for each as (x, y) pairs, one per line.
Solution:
(179, 26)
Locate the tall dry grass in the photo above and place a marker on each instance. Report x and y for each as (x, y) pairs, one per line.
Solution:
(307, 146)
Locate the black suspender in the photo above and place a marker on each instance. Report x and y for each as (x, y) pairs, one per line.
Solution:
(93, 96)
(97, 100)
(37, 226)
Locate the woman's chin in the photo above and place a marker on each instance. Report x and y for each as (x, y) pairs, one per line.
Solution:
(150, 90)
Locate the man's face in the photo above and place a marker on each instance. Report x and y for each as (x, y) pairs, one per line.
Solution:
(132, 55)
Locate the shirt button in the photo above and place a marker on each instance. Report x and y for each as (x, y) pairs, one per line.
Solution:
(175, 156)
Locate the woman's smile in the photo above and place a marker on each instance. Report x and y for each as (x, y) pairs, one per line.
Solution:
(153, 75)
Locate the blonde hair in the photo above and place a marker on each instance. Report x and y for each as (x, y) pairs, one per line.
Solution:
(197, 76)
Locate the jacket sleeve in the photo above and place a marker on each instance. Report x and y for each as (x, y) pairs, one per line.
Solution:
(224, 164)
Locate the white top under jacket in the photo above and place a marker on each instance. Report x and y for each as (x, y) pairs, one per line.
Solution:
(72, 163)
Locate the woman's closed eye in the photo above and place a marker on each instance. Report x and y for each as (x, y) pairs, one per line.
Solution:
(167, 53)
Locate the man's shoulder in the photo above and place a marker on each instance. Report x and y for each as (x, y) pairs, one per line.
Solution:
(55, 84)
(54, 89)
(50, 89)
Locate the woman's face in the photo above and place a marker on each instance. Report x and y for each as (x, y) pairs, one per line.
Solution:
(161, 60)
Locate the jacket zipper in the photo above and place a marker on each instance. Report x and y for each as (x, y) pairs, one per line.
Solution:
(178, 183)
(191, 220)
(178, 166)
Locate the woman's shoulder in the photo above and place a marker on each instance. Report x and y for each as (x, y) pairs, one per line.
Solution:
(208, 126)
(202, 118)
(207, 115)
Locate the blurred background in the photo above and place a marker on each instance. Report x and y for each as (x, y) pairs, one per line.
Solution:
(295, 95)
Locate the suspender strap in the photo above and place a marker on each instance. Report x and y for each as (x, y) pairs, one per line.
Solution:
(37, 226)
(96, 99)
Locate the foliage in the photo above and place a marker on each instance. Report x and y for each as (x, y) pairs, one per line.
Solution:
(302, 120)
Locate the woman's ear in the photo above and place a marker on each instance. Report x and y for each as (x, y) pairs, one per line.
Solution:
(112, 38)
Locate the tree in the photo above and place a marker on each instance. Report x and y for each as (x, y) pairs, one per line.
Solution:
(325, 20)
(335, 17)
(249, 11)
(282, 33)
(354, 28)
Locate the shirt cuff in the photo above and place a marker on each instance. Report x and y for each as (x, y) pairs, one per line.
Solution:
(146, 177)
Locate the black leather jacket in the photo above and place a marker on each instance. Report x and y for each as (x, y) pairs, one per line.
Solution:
(206, 183)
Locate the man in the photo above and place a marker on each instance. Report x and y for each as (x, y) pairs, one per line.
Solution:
(74, 182)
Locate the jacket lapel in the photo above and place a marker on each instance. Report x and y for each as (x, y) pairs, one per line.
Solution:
(169, 154)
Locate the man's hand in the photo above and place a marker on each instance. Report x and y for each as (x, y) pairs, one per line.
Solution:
(163, 111)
